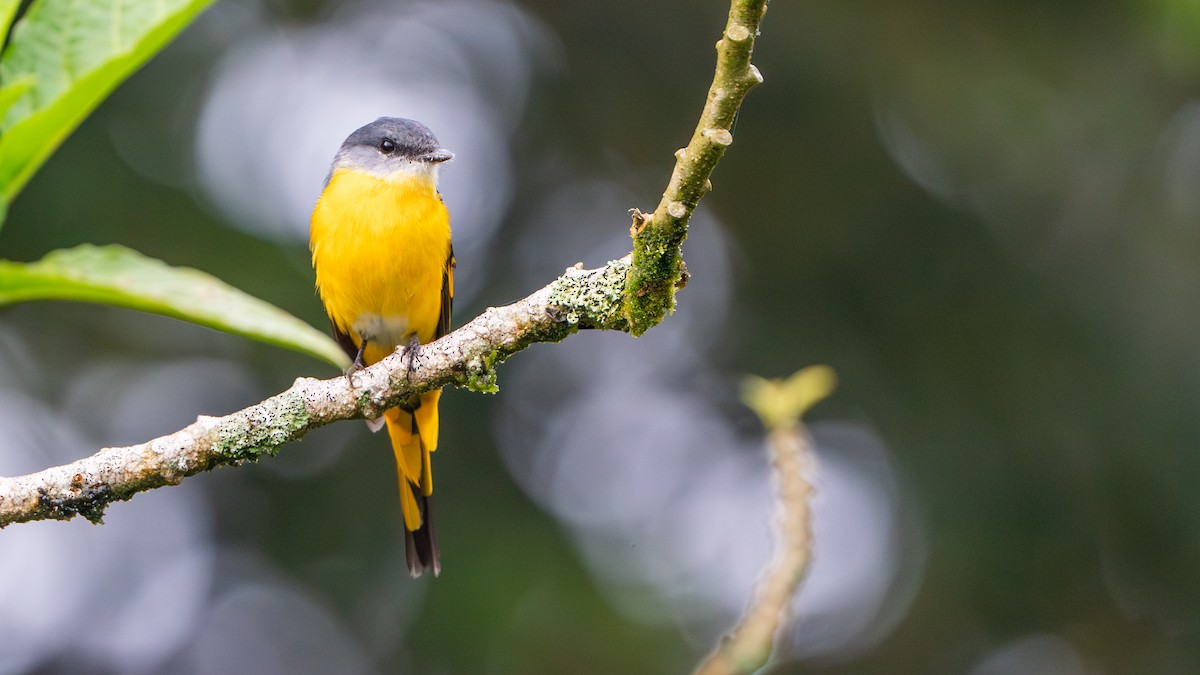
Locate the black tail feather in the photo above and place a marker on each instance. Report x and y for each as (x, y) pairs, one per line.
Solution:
(420, 546)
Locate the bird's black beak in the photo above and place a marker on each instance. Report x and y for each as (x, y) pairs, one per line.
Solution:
(437, 156)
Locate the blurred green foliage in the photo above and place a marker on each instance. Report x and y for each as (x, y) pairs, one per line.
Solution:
(784, 401)
(62, 59)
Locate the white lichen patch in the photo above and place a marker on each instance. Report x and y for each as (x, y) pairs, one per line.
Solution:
(592, 298)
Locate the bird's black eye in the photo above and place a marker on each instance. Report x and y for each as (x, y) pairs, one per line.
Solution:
(387, 146)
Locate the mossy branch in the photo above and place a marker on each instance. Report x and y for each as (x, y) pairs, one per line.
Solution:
(657, 261)
(466, 357)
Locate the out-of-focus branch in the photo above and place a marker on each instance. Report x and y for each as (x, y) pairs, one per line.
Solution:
(466, 357)
(780, 405)
(657, 260)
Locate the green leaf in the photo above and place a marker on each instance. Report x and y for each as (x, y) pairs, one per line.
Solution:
(115, 275)
(8, 9)
(76, 52)
(10, 94)
(779, 402)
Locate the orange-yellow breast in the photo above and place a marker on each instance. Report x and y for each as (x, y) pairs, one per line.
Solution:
(380, 248)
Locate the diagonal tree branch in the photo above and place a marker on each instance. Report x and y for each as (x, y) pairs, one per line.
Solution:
(467, 358)
(631, 294)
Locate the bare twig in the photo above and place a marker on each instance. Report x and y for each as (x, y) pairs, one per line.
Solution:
(747, 648)
(780, 404)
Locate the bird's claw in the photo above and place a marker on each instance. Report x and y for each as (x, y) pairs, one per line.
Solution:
(410, 352)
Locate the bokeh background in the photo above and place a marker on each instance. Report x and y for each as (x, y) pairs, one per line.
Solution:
(983, 215)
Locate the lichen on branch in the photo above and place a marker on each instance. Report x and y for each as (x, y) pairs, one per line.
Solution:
(657, 237)
(466, 357)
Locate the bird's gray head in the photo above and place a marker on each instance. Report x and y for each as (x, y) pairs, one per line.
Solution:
(391, 148)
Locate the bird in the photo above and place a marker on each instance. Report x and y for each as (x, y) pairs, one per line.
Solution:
(384, 261)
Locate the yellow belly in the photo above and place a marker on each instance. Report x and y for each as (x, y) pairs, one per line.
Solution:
(380, 250)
